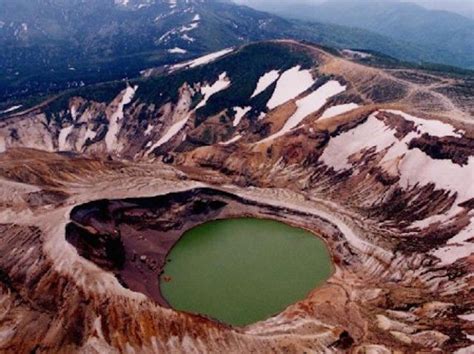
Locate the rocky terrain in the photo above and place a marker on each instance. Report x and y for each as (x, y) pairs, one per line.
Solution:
(96, 185)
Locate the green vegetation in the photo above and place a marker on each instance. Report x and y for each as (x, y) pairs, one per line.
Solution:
(385, 61)
(74, 43)
(439, 36)
(244, 68)
(105, 92)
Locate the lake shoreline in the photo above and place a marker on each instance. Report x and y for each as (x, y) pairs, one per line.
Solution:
(136, 235)
(244, 270)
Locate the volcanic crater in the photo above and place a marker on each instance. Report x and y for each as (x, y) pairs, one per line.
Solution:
(133, 237)
(378, 161)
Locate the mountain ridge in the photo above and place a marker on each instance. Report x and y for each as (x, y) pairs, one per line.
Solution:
(166, 87)
(450, 34)
(48, 47)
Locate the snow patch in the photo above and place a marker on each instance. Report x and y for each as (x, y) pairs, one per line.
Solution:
(429, 126)
(313, 102)
(339, 109)
(467, 350)
(180, 117)
(189, 28)
(239, 114)
(309, 104)
(172, 131)
(166, 35)
(457, 247)
(117, 116)
(63, 135)
(177, 50)
(122, 2)
(203, 60)
(450, 254)
(414, 167)
(11, 109)
(187, 38)
(89, 135)
(464, 235)
(265, 81)
(421, 224)
(208, 90)
(74, 113)
(469, 317)
(291, 83)
(231, 141)
(149, 129)
(356, 54)
(418, 168)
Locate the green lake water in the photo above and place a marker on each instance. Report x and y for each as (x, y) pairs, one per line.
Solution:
(241, 271)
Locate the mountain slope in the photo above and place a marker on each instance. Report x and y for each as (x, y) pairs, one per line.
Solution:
(193, 92)
(48, 46)
(97, 185)
(450, 35)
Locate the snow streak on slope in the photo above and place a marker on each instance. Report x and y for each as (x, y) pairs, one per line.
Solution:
(458, 247)
(11, 109)
(89, 135)
(63, 135)
(265, 81)
(313, 102)
(122, 2)
(189, 27)
(231, 141)
(356, 54)
(177, 50)
(208, 90)
(239, 114)
(292, 83)
(149, 129)
(339, 109)
(413, 166)
(203, 60)
(117, 116)
(187, 38)
(172, 131)
(3, 147)
(309, 104)
(181, 31)
(372, 133)
(418, 168)
(179, 118)
(431, 127)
